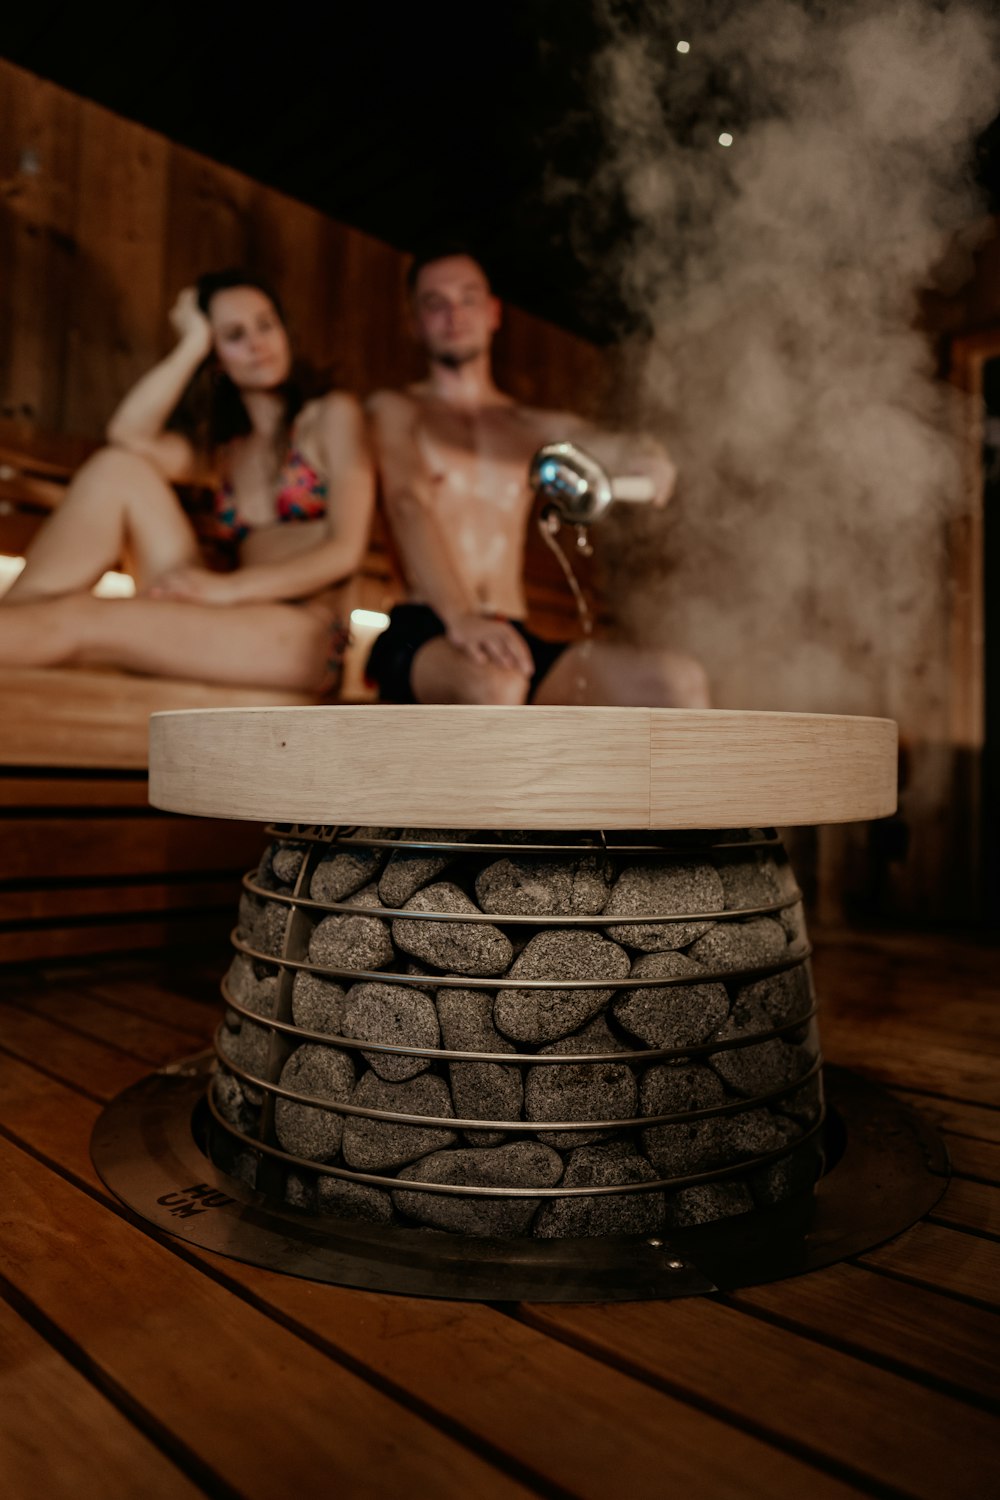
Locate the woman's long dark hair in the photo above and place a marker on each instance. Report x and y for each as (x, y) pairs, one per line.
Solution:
(211, 412)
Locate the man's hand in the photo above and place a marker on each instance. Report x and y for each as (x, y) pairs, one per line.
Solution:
(194, 585)
(491, 642)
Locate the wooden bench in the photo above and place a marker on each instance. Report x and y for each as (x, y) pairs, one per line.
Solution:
(86, 865)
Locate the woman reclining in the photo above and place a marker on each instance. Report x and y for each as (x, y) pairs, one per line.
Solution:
(293, 499)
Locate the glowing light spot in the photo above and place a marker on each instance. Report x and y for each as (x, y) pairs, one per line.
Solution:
(369, 619)
(725, 139)
(110, 586)
(684, 46)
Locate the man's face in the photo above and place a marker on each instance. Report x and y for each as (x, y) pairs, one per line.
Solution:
(455, 315)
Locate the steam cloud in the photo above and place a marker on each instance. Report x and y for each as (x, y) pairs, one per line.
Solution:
(803, 558)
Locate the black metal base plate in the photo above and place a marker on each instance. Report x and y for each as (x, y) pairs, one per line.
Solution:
(889, 1169)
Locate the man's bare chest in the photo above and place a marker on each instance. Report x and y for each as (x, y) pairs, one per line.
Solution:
(482, 459)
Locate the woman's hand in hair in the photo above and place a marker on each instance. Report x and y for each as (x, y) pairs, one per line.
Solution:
(190, 323)
(193, 585)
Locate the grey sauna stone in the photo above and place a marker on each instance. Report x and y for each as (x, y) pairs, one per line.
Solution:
(762, 1067)
(749, 878)
(466, 1019)
(243, 1166)
(793, 922)
(770, 1002)
(596, 1036)
(611, 1164)
(262, 923)
(480, 1090)
(755, 1132)
(248, 1046)
(476, 948)
(353, 1200)
(300, 1191)
(286, 861)
(579, 1091)
(520, 1164)
(343, 941)
(787, 1177)
(676, 1088)
(367, 897)
(676, 1015)
(662, 887)
(396, 1015)
(408, 870)
(253, 985)
(530, 887)
(679, 1150)
(706, 1202)
(560, 953)
(740, 945)
(322, 1073)
(344, 871)
(318, 1004)
(381, 1145)
(486, 1091)
(232, 1102)
(805, 1104)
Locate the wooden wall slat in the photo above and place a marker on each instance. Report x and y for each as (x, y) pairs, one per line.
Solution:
(35, 848)
(39, 245)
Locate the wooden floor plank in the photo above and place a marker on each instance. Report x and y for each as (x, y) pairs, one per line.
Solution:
(956, 1116)
(971, 1158)
(946, 1259)
(257, 1405)
(163, 999)
(557, 1411)
(841, 1409)
(970, 1205)
(912, 1062)
(143, 1038)
(848, 1381)
(99, 1069)
(57, 1431)
(925, 1332)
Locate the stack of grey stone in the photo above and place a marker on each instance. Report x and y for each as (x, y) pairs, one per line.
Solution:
(404, 973)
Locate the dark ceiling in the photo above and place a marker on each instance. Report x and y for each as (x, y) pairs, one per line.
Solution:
(411, 121)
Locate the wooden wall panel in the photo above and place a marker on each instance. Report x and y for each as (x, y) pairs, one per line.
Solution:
(103, 221)
(39, 178)
(119, 303)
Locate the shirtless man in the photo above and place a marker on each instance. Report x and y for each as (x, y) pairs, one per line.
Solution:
(454, 453)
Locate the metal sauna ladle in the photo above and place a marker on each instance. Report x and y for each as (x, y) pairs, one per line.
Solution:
(579, 488)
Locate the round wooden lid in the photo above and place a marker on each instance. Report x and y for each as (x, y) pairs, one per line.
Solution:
(559, 768)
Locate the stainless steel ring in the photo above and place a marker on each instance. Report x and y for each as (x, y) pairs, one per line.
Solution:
(461, 1191)
(449, 1122)
(598, 919)
(504, 982)
(440, 1054)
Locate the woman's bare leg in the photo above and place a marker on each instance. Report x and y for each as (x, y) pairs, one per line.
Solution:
(261, 645)
(116, 505)
(441, 673)
(604, 672)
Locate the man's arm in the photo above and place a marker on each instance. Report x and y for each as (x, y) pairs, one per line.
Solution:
(424, 547)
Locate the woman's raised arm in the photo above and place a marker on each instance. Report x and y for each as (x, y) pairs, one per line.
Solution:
(139, 423)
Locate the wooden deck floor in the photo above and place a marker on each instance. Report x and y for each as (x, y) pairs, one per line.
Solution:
(133, 1365)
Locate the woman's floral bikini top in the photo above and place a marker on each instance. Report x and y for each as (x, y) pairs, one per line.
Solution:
(300, 496)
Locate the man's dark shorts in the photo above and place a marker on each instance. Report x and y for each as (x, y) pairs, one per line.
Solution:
(412, 626)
